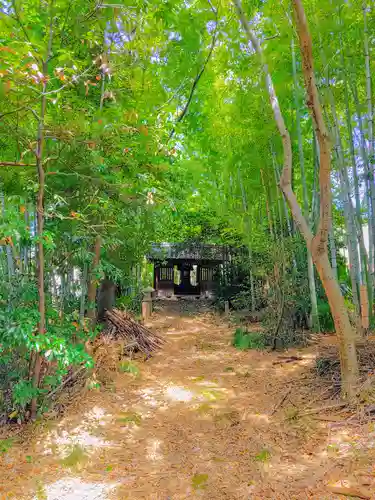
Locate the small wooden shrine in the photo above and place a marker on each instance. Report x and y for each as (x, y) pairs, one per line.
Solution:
(187, 269)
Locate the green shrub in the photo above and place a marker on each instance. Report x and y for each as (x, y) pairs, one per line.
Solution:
(325, 317)
(244, 340)
(129, 367)
(62, 346)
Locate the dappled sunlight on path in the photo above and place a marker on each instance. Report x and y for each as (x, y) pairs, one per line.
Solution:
(198, 422)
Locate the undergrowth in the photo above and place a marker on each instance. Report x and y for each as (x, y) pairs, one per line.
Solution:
(244, 340)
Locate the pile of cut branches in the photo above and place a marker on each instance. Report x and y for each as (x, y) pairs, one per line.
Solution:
(361, 409)
(328, 360)
(120, 326)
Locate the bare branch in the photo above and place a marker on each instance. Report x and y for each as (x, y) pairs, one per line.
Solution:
(174, 94)
(195, 82)
(13, 111)
(21, 108)
(18, 20)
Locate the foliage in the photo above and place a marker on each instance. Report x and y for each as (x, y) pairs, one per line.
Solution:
(129, 367)
(263, 456)
(199, 481)
(244, 340)
(76, 457)
(325, 317)
(130, 418)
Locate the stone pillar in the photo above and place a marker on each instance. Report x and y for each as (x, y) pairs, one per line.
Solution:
(226, 307)
(147, 303)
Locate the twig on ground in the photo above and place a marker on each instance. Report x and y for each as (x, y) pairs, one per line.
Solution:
(322, 408)
(328, 418)
(281, 402)
(320, 396)
(287, 359)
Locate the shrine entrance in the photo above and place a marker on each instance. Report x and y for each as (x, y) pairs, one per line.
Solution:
(186, 279)
(181, 270)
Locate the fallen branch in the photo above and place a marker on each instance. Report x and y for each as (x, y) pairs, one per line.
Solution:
(323, 408)
(287, 359)
(63, 384)
(351, 492)
(281, 402)
(328, 418)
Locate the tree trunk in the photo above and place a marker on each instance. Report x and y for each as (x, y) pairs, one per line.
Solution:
(317, 244)
(344, 330)
(82, 301)
(106, 297)
(40, 221)
(314, 315)
(315, 202)
(8, 250)
(370, 122)
(362, 249)
(269, 215)
(248, 231)
(352, 248)
(332, 246)
(285, 206)
(368, 193)
(26, 247)
(92, 286)
(349, 213)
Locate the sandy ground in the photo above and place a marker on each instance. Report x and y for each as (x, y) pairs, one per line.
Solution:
(197, 421)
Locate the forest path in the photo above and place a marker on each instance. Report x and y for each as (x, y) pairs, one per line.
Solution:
(196, 423)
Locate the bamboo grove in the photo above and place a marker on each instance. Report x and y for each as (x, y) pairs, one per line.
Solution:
(126, 123)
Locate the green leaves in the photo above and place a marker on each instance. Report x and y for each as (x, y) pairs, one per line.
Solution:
(129, 367)
(199, 481)
(244, 340)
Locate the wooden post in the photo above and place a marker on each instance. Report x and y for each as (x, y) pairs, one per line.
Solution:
(364, 307)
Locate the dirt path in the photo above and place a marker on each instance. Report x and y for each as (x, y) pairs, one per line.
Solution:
(195, 423)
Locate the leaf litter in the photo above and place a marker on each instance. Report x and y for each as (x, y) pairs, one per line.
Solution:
(191, 428)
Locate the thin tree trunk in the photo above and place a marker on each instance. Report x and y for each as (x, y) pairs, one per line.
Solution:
(317, 244)
(352, 252)
(362, 248)
(370, 122)
(82, 301)
(8, 250)
(250, 252)
(368, 188)
(63, 288)
(349, 213)
(315, 202)
(280, 212)
(332, 246)
(54, 288)
(40, 219)
(285, 206)
(92, 286)
(26, 248)
(314, 315)
(269, 215)
(251, 277)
